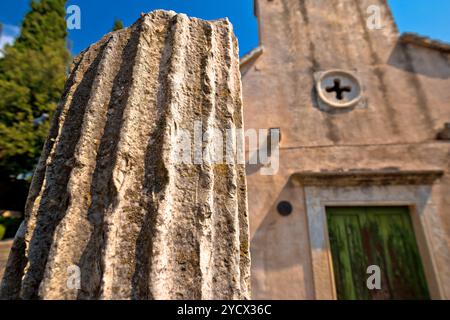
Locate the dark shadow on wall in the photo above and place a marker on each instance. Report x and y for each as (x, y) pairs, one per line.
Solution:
(279, 244)
(403, 55)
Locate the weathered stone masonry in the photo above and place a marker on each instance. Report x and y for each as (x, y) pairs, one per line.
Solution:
(107, 196)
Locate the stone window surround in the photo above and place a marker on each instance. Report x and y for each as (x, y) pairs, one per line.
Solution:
(405, 189)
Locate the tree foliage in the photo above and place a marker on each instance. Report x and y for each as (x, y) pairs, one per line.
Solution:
(118, 24)
(32, 76)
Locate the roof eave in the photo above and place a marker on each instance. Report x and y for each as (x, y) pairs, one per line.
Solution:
(422, 41)
(251, 56)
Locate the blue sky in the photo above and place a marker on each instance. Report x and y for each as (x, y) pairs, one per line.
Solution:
(427, 17)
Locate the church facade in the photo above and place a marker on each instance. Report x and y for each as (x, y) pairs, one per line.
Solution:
(363, 184)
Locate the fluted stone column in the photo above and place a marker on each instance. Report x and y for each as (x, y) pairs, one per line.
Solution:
(108, 201)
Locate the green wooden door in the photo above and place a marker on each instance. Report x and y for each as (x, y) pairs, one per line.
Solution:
(382, 236)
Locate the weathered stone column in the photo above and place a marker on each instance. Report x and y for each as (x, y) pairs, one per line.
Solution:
(109, 201)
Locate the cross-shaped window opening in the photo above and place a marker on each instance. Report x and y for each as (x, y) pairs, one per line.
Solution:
(338, 89)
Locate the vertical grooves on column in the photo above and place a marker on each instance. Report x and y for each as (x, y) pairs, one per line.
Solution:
(185, 68)
(51, 207)
(205, 187)
(179, 252)
(238, 120)
(155, 173)
(55, 130)
(163, 260)
(126, 216)
(155, 275)
(102, 192)
(75, 224)
(225, 259)
(233, 192)
(150, 280)
(17, 261)
(111, 194)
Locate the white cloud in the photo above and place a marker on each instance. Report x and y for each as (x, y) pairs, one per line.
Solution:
(8, 36)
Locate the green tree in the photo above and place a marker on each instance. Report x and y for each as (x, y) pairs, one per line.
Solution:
(32, 76)
(118, 24)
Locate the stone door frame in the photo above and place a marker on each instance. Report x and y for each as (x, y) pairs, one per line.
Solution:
(319, 196)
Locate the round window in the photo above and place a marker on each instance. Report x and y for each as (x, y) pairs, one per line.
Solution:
(339, 88)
